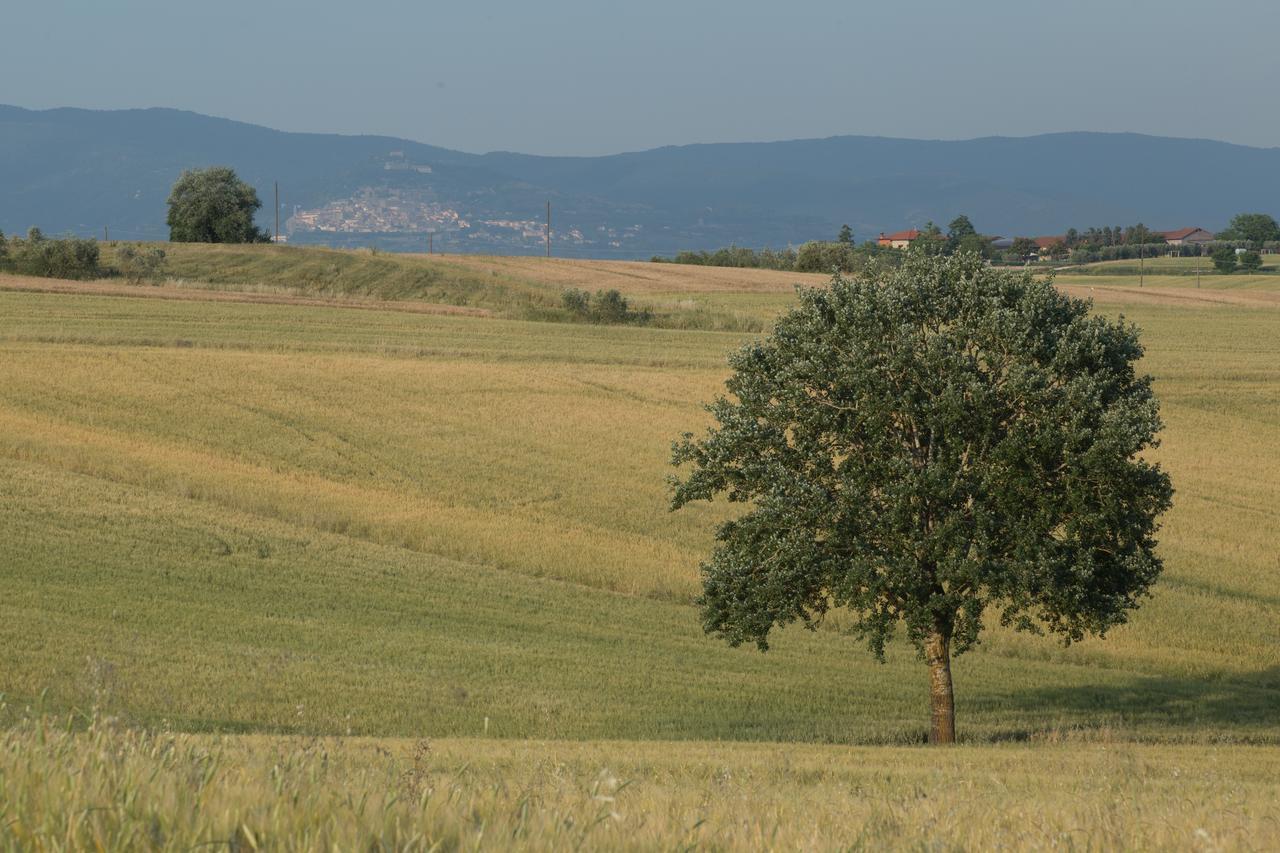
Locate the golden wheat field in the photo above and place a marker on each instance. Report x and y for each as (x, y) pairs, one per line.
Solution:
(388, 555)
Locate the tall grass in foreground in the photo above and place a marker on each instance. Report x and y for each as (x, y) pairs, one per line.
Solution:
(114, 788)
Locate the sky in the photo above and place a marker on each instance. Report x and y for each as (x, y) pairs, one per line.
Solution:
(582, 77)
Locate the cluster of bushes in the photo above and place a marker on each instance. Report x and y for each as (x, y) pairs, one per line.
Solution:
(1088, 254)
(1226, 259)
(61, 257)
(815, 256)
(736, 256)
(78, 258)
(607, 306)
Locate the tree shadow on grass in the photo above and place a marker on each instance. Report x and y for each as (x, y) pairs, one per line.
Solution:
(1224, 707)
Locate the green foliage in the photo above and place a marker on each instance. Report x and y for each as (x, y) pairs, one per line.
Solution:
(845, 235)
(1023, 247)
(1250, 261)
(1224, 259)
(819, 256)
(607, 307)
(932, 445)
(736, 256)
(61, 257)
(1141, 235)
(213, 206)
(960, 227)
(1255, 228)
(139, 263)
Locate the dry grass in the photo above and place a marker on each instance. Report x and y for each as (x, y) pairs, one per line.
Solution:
(637, 278)
(540, 450)
(239, 516)
(120, 789)
(179, 291)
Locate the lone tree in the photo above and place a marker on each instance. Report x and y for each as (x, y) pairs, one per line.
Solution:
(845, 235)
(213, 206)
(938, 445)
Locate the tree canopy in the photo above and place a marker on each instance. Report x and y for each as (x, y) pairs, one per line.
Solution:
(960, 227)
(1257, 228)
(213, 206)
(934, 445)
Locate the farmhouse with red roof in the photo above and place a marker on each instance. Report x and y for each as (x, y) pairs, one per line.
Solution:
(899, 239)
(1186, 236)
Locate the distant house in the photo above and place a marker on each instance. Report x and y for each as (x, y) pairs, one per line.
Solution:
(899, 239)
(1044, 244)
(1186, 236)
(1001, 243)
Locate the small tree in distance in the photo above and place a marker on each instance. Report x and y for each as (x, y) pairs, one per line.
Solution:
(845, 235)
(1224, 259)
(933, 445)
(213, 206)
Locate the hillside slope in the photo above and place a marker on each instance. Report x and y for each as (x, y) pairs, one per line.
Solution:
(82, 170)
(315, 519)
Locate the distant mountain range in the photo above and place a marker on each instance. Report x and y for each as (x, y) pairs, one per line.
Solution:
(80, 170)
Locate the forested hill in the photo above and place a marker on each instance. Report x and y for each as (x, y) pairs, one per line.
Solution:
(78, 170)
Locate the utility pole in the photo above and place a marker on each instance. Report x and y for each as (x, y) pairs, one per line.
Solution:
(277, 187)
(106, 234)
(1142, 263)
(548, 229)
(431, 242)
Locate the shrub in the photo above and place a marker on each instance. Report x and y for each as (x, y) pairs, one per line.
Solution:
(735, 256)
(817, 256)
(139, 263)
(1224, 259)
(1250, 261)
(607, 306)
(62, 257)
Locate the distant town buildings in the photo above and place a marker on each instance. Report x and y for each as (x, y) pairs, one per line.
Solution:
(410, 205)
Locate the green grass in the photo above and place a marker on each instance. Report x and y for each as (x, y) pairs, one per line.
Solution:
(1162, 265)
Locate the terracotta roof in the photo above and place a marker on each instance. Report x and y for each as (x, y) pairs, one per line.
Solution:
(1048, 242)
(1180, 234)
(902, 235)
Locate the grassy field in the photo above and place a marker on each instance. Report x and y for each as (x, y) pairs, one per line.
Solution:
(1172, 266)
(513, 288)
(322, 516)
(125, 790)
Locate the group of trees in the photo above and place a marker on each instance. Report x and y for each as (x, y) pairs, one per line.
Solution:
(842, 254)
(736, 256)
(77, 258)
(206, 206)
(1256, 229)
(51, 257)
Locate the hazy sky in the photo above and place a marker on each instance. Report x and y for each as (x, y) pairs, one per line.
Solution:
(593, 76)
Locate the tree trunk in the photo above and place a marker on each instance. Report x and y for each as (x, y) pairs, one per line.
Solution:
(937, 651)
